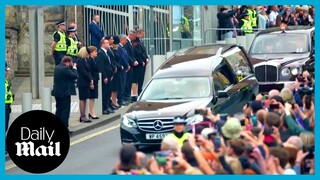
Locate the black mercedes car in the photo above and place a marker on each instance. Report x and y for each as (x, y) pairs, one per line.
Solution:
(217, 76)
(279, 55)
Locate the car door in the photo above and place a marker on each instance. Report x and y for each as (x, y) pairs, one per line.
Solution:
(245, 81)
(224, 80)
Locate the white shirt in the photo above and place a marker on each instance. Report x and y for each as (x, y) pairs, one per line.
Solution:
(262, 21)
(129, 40)
(105, 51)
(273, 16)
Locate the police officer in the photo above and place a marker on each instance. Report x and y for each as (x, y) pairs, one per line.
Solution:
(178, 130)
(167, 30)
(73, 46)
(245, 24)
(59, 44)
(9, 97)
(252, 16)
(185, 28)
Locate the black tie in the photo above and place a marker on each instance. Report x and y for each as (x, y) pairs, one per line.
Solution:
(108, 57)
(111, 52)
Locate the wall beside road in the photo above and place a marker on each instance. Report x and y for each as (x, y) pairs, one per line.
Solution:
(17, 37)
(75, 15)
(11, 37)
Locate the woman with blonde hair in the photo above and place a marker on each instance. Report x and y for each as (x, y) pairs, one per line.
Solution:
(93, 52)
(85, 81)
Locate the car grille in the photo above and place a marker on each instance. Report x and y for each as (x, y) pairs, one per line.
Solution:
(148, 125)
(266, 73)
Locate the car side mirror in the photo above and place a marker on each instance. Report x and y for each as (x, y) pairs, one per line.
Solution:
(222, 94)
(214, 100)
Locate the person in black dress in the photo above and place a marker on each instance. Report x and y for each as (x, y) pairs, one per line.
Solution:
(95, 76)
(115, 83)
(137, 70)
(85, 81)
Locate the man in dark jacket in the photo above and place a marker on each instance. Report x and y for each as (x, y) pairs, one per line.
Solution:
(105, 66)
(224, 17)
(124, 61)
(64, 76)
(140, 35)
(133, 63)
(96, 34)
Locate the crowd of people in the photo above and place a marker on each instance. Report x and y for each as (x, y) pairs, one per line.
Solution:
(241, 20)
(121, 60)
(274, 134)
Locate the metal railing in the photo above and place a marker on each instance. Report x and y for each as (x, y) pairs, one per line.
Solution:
(215, 37)
(116, 20)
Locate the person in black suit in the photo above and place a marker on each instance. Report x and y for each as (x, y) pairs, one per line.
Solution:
(140, 35)
(133, 63)
(96, 34)
(124, 61)
(116, 66)
(63, 87)
(85, 81)
(105, 67)
(95, 76)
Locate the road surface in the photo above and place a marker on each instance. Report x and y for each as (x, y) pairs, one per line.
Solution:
(94, 152)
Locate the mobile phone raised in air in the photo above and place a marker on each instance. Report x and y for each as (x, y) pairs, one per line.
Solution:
(273, 106)
(217, 143)
(268, 131)
(223, 117)
(161, 157)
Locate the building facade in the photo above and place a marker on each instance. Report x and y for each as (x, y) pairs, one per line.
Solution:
(115, 20)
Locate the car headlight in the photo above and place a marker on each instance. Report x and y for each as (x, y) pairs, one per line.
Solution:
(285, 72)
(128, 122)
(295, 71)
(194, 119)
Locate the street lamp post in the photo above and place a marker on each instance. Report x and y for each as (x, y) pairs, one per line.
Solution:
(151, 47)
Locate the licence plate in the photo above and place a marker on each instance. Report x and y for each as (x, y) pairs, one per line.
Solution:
(156, 136)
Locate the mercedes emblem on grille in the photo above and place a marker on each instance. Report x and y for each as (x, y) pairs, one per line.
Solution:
(158, 125)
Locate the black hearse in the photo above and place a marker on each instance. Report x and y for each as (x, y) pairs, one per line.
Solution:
(218, 76)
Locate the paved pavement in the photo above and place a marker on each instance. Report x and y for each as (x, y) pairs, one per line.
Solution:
(21, 85)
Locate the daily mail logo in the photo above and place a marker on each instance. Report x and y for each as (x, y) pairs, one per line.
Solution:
(38, 141)
(27, 148)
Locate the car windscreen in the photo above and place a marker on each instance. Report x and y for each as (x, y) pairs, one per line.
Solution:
(281, 43)
(177, 88)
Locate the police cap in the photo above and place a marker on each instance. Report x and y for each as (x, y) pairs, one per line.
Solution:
(179, 120)
(61, 23)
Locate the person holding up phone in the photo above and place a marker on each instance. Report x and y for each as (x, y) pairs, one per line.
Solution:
(63, 88)
(178, 130)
